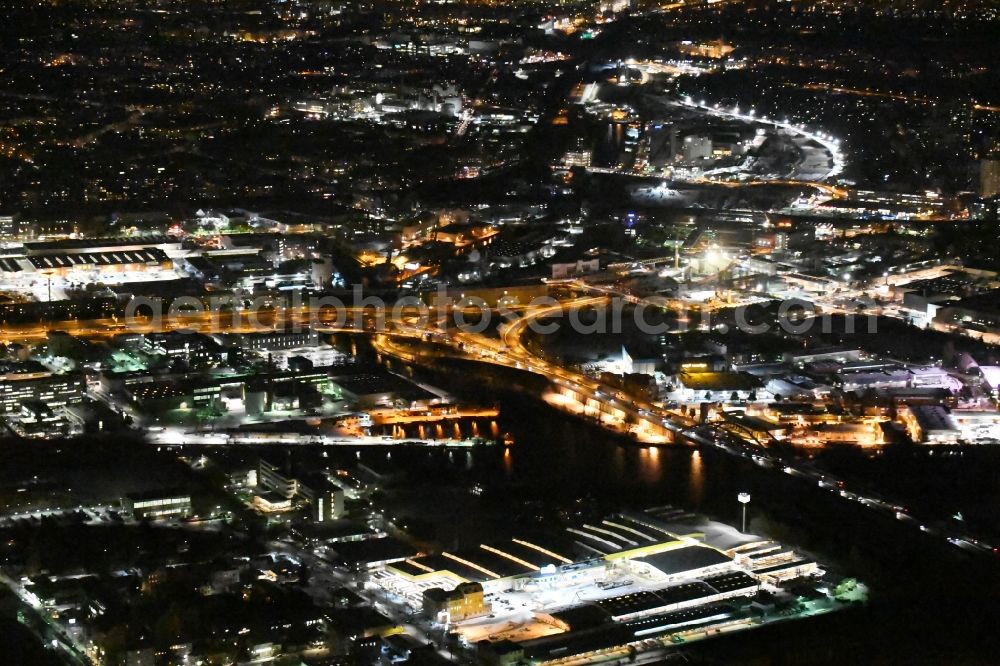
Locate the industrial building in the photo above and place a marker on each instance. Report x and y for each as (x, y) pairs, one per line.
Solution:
(929, 424)
(594, 586)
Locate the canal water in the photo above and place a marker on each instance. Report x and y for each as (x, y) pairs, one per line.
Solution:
(556, 469)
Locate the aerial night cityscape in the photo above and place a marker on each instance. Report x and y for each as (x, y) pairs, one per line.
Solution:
(493, 333)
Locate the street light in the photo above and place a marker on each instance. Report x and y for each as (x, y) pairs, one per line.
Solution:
(744, 499)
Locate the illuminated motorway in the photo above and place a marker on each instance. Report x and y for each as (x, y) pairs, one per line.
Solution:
(323, 319)
(831, 144)
(817, 181)
(613, 408)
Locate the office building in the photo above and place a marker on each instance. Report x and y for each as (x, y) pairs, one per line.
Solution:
(157, 505)
(53, 390)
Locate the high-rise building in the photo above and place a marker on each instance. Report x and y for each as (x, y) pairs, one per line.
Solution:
(9, 229)
(328, 504)
(989, 177)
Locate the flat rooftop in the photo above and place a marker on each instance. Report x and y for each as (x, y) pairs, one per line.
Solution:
(373, 550)
(719, 381)
(627, 604)
(583, 617)
(733, 580)
(487, 562)
(680, 523)
(77, 244)
(688, 558)
(689, 617)
(379, 381)
(933, 418)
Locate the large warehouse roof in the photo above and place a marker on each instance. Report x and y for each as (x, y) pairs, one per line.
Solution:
(115, 258)
(688, 558)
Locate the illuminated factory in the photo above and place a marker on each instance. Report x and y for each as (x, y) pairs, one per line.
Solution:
(44, 269)
(627, 578)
